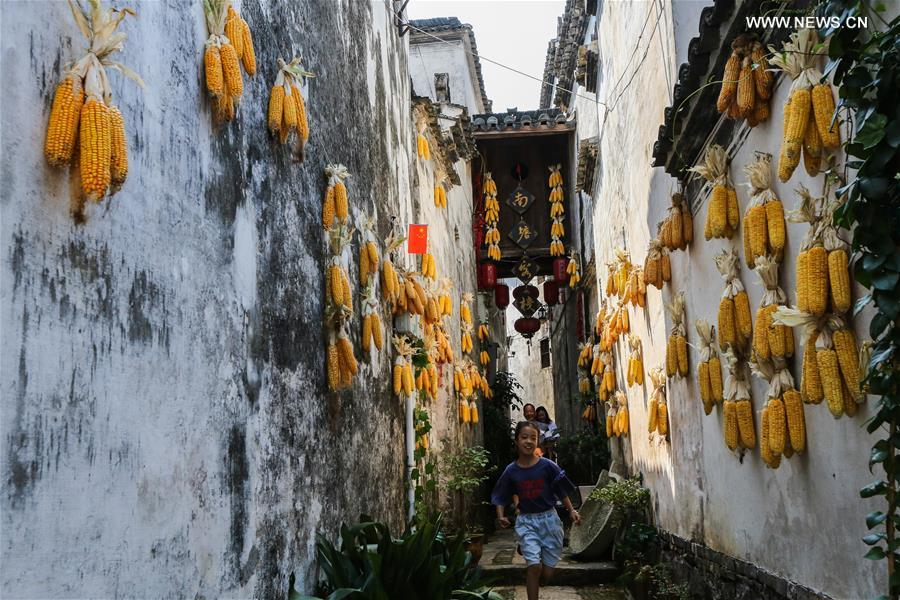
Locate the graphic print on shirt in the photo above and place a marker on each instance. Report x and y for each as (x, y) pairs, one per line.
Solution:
(530, 489)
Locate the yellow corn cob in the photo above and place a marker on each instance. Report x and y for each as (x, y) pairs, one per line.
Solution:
(347, 295)
(62, 128)
(289, 106)
(785, 169)
(681, 352)
(687, 225)
(733, 211)
(336, 285)
(665, 267)
(345, 349)
(727, 328)
(703, 380)
(334, 374)
(95, 141)
(745, 423)
(212, 63)
(662, 419)
(717, 214)
(812, 149)
(745, 239)
(746, 92)
(830, 375)
(407, 379)
(823, 109)
(652, 416)
(610, 425)
(364, 267)
(231, 70)
(731, 424)
(839, 280)
(796, 420)
(775, 225)
(118, 167)
(770, 458)
(743, 323)
(473, 412)
(366, 333)
(715, 378)
(671, 357)
(730, 78)
(676, 230)
(817, 280)
(802, 279)
(302, 120)
(848, 359)
(234, 31)
(760, 333)
(811, 382)
(761, 75)
(776, 337)
(248, 56)
(376, 332)
(276, 104)
(756, 218)
(777, 426)
(341, 203)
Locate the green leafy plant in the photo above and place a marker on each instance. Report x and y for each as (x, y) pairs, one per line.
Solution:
(370, 564)
(423, 476)
(465, 468)
(627, 497)
(866, 67)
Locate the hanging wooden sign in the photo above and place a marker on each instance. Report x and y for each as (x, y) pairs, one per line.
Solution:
(520, 200)
(522, 234)
(526, 269)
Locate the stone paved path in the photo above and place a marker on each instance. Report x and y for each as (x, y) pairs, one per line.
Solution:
(573, 580)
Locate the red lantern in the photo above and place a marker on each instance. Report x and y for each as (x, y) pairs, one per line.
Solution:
(551, 293)
(559, 270)
(488, 275)
(501, 295)
(527, 326)
(525, 291)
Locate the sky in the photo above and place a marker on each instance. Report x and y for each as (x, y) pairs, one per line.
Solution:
(512, 32)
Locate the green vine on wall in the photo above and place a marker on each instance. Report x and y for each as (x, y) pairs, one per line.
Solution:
(866, 68)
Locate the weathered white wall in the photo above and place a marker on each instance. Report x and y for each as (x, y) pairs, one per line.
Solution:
(165, 422)
(701, 491)
(428, 58)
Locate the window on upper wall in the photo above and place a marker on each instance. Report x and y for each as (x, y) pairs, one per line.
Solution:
(442, 87)
(545, 353)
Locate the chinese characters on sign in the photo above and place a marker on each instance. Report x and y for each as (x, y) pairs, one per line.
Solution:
(520, 200)
(522, 234)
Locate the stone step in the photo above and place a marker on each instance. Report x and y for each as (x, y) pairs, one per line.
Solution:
(566, 573)
(553, 592)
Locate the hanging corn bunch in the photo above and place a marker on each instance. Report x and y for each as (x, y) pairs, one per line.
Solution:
(491, 217)
(735, 325)
(423, 149)
(737, 410)
(557, 210)
(440, 194)
(444, 350)
(427, 379)
(572, 269)
(657, 266)
(676, 348)
(771, 341)
(83, 115)
(589, 414)
(601, 318)
(709, 371)
(429, 267)
(831, 361)
(287, 109)
(484, 333)
(783, 419)
(585, 359)
(584, 384)
(465, 313)
(341, 362)
(676, 231)
(764, 227)
(619, 408)
(372, 329)
(838, 261)
(368, 253)
(445, 301)
(635, 288)
(658, 419)
(403, 381)
(723, 212)
(809, 114)
(605, 376)
(635, 361)
(390, 280)
(336, 205)
(746, 83)
(229, 45)
(611, 420)
(484, 342)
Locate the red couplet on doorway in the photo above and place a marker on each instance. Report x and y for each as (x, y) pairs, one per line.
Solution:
(417, 241)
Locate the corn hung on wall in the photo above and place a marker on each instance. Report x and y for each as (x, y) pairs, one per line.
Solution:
(709, 370)
(286, 113)
(764, 224)
(336, 205)
(658, 410)
(83, 117)
(341, 363)
(228, 48)
(770, 340)
(676, 231)
(635, 376)
(735, 325)
(746, 83)
(676, 347)
(491, 217)
(557, 210)
(740, 430)
(810, 127)
(723, 212)
(657, 266)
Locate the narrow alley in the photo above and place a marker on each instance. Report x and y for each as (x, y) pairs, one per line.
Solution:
(445, 299)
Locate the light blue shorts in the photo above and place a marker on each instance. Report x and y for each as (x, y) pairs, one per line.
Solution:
(540, 537)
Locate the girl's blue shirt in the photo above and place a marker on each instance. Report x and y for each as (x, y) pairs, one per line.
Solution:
(538, 486)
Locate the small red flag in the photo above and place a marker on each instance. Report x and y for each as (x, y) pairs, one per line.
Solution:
(417, 241)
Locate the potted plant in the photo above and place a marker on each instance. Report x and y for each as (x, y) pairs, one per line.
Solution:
(464, 471)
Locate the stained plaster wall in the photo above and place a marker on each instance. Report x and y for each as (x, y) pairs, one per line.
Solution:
(700, 490)
(165, 421)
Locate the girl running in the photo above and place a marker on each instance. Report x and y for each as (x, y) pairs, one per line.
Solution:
(537, 482)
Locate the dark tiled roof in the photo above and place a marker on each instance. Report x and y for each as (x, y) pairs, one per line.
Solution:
(693, 116)
(514, 119)
(562, 53)
(442, 24)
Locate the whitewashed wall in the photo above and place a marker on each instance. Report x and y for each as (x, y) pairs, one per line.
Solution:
(804, 521)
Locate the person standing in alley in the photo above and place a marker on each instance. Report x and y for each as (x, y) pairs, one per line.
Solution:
(538, 483)
(549, 432)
